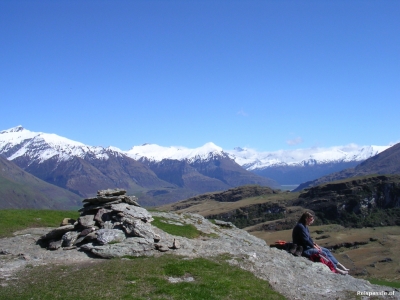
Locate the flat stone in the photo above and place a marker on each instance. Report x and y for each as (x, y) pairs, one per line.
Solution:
(133, 211)
(87, 221)
(131, 247)
(113, 192)
(57, 233)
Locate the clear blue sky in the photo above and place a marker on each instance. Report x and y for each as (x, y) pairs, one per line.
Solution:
(268, 75)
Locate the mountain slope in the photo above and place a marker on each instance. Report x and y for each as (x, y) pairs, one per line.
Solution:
(386, 162)
(19, 189)
(286, 167)
(84, 169)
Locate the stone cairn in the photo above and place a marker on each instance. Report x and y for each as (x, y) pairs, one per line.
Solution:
(110, 220)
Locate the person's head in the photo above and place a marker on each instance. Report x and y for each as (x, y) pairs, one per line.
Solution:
(306, 218)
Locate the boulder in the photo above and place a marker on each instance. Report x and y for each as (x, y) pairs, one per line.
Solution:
(106, 236)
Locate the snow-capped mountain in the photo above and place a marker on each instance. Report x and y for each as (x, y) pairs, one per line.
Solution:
(157, 179)
(38, 147)
(153, 152)
(52, 145)
(32, 151)
(253, 160)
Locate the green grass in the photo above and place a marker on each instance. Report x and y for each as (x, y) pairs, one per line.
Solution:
(12, 220)
(139, 278)
(392, 284)
(186, 230)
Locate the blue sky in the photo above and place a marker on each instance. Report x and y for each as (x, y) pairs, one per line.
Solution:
(268, 75)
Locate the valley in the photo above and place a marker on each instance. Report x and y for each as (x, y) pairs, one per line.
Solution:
(366, 239)
(354, 192)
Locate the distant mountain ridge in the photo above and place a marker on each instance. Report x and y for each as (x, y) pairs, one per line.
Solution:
(253, 160)
(287, 167)
(84, 169)
(385, 163)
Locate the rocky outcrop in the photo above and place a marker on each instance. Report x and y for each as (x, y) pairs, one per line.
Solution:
(121, 229)
(363, 201)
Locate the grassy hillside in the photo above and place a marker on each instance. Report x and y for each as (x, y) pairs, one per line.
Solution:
(19, 189)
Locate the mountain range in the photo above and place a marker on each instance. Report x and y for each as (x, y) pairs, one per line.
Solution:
(159, 175)
(84, 170)
(287, 167)
(384, 163)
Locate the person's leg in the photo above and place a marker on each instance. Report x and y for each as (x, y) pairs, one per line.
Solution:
(329, 255)
(342, 267)
(307, 253)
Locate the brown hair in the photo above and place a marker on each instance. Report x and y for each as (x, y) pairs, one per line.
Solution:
(304, 217)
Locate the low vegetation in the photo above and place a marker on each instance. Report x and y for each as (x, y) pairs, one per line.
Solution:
(385, 283)
(12, 220)
(165, 277)
(169, 226)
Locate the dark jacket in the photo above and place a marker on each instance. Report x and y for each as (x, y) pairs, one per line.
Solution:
(301, 236)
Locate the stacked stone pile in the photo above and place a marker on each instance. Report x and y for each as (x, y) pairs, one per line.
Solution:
(111, 224)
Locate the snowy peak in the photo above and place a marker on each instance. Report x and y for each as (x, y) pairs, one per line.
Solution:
(38, 146)
(157, 153)
(252, 160)
(14, 129)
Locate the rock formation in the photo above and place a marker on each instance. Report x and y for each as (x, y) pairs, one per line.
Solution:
(113, 225)
(110, 225)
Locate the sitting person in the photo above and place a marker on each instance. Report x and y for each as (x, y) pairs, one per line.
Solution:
(301, 236)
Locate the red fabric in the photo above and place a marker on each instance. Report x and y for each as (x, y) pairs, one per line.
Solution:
(319, 257)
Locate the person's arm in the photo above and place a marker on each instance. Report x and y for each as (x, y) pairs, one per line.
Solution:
(314, 245)
(305, 236)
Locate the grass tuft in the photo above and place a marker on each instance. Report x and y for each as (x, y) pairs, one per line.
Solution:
(185, 230)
